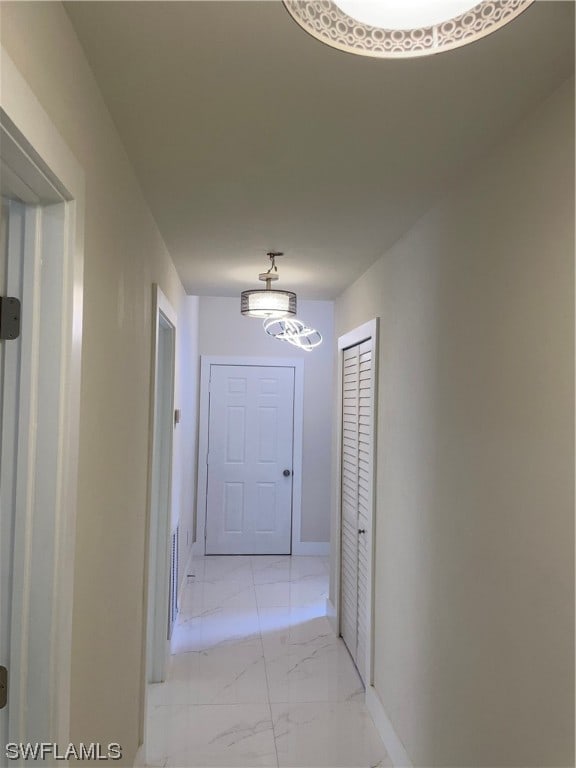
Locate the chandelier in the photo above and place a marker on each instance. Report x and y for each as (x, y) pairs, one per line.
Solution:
(293, 331)
(268, 302)
(402, 28)
(278, 309)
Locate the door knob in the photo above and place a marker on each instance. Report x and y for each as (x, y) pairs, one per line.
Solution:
(287, 473)
(361, 530)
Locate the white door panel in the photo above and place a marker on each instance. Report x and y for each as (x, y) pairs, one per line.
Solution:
(250, 444)
(356, 484)
(6, 483)
(349, 491)
(11, 259)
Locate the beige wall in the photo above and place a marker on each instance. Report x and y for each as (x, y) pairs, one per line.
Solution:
(124, 255)
(474, 595)
(475, 517)
(223, 331)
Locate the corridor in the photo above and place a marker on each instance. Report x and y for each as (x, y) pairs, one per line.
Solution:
(257, 677)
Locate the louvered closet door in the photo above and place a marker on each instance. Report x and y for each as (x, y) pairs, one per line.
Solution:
(349, 527)
(357, 430)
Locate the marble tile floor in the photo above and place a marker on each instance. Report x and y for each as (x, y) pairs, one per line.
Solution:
(257, 677)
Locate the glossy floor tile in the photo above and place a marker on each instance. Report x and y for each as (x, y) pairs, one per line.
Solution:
(216, 676)
(213, 735)
(335, 734)
(256, 676)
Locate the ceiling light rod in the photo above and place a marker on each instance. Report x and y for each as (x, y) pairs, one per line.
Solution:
(268, 302)
(267, 276)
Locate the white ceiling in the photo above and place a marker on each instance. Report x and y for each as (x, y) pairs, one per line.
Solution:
(249, 135)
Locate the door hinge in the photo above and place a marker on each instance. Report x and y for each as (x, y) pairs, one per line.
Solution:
(9, 318)
(3, 687)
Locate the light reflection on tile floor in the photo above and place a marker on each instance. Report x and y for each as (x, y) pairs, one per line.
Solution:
(257, 677)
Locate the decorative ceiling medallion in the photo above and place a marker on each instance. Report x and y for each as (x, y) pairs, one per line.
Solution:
(328, 23)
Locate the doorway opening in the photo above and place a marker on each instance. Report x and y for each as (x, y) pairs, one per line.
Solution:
(41, 264)
(162, 559)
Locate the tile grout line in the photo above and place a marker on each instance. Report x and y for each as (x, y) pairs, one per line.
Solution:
(265, 667)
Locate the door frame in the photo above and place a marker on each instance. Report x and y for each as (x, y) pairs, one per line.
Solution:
(49, 418)
(369, 330)
(160, 485)
(206, 361)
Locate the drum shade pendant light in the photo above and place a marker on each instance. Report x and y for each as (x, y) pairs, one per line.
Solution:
(402, 28)
(268, 302)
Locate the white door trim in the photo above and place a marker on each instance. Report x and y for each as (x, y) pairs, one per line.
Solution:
(201, 498)
(364, 332)
(159, 487)
(41, 632)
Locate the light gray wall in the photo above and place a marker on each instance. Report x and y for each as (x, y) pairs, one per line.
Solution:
(474, 612)
(223, 331)
(124, 256)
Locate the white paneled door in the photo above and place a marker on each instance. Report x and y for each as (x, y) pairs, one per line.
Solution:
(356, 499)
(250, 460)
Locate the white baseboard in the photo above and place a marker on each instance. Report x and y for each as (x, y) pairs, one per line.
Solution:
(331, 615)
(299, 548)
(311, 548)
(197, 549)
(392, 742)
